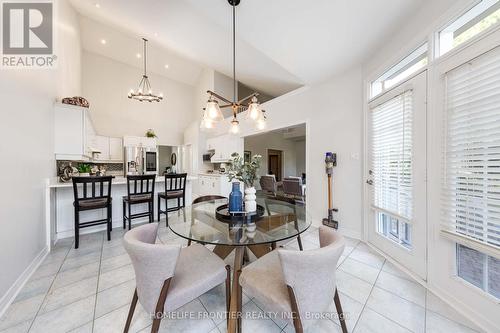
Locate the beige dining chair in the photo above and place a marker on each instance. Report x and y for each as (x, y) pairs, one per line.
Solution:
(268, 184)
(168, 276)
(296, 284)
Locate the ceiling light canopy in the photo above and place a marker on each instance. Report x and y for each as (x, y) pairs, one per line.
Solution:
(212, 112)
(145, 92)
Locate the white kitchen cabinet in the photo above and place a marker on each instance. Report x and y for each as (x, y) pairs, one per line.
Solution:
(139, 141)
(102, 146)
(73, 132)
(115, 149)
(214, 185)
(223, 146)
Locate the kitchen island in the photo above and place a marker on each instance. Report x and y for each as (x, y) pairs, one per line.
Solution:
(60, 211)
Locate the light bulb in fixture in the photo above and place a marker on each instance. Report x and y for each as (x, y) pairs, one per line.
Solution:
(254, 112)
(206, 124)
(138, 55)
(103, 42)
(213, 111)
(235, 126)
(97, 5)
(261, 124)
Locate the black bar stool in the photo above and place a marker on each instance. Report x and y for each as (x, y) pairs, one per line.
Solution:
(175, 188)
(92, 192)
(140, 190)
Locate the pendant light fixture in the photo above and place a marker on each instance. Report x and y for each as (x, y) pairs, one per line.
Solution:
(144, 92)
(212, 112)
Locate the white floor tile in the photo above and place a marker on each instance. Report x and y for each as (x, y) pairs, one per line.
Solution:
(353, 287)
(20, 312)
(114, 298)
(351, 308)
(438, 324)
(397, 309)
(76, 274)
(409, 290)
(365, 255)
(60, 297)
(358, 269)
(19, 328)
(81, 260)
(86, 328)
(199, 322)
(116, 276)
(215, 302)
(392, 269)
(34, 288)
(372, 322)
(115, 262)
(66, 318)
(114, 321)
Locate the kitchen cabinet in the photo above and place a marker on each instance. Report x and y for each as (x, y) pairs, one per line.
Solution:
(223, 146)
(111, 149)
(214, 185)
(74, 134)
(115, 149)
(139, 141)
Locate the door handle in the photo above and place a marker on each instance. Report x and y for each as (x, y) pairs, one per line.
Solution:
(369, 182)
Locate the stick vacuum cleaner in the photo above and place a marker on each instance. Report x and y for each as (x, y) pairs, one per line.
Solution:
(330, 161)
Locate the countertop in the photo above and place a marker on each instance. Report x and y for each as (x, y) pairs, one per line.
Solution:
(54, 182)
(215, 174)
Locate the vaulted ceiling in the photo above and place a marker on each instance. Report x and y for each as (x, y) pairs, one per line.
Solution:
(281, 44)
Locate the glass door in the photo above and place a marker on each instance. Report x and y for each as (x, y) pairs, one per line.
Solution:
(396, 177)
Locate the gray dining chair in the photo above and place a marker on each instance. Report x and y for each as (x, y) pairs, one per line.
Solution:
(297, 283)
(168, 276)
(268, 184)
(292, 186)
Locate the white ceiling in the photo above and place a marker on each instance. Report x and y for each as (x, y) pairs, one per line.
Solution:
(281, 44)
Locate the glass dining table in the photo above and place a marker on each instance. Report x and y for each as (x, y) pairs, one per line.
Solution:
(277, 219)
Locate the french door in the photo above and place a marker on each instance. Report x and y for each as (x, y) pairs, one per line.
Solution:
(396, 180)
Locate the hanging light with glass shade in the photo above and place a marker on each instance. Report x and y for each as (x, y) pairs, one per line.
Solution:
(145, 92)
(213, 113)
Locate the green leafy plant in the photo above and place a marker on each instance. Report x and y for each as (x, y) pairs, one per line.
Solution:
(245, 172)
(151, 134)
(84, 168)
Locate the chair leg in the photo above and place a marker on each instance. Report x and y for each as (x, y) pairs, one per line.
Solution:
(228, 290)
(299, 240)
(297, 323)
(239, 300)
(77, 228)
(129, 216)
(110, 217)
(131, 312)
(108, 222)
(160, 306)
(158, 209)
(166, 211)
(340, 313)
(124, 210)
(149, 211)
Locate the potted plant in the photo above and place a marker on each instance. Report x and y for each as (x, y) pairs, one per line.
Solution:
(84, 169)
(246, 172)
(150, 133)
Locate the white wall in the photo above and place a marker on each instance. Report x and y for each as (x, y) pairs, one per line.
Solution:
(332, 112)
(260, 144)
(300, 157)
(26, 144)
(106, 83)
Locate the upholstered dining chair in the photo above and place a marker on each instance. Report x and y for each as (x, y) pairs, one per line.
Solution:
(268, 184)
(297, 283)
(292, 186)
(201, 199)
(168, 276)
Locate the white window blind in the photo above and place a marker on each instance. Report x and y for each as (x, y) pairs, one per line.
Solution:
(471, 189)
(391, 153)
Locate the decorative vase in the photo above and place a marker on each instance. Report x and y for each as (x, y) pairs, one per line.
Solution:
(250, 203)
(235, 199)
(84, 174)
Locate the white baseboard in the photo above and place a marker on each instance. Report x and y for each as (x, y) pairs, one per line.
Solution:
(14, 290)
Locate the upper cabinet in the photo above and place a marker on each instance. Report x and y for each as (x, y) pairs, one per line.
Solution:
(139, 141)
(223, 146)
(76, 139)
(74, 134)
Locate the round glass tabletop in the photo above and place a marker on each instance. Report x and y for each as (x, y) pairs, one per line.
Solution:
(282, 218)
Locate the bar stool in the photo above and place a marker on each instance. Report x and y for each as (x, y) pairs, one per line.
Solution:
(98, 196)
(175, 188)
(140, 190)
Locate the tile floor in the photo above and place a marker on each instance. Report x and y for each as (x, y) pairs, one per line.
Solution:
(90, 289)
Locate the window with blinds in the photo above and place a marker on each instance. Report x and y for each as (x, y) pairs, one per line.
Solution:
(471, 187)
(391, 155)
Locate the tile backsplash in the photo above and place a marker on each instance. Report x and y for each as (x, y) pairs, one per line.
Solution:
(111, 168)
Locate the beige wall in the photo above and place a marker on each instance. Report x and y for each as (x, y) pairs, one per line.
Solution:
(106, 83)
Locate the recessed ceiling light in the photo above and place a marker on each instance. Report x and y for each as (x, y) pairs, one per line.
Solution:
(138, 55)
(103, 42)
(97, 5)
(166, 66)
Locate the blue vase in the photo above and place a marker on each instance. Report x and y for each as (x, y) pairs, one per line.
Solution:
(235, 199)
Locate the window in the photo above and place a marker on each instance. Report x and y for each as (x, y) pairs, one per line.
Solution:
(479, 18)
(479, 269)
(471, 205)
(405, 68)
(391, 150)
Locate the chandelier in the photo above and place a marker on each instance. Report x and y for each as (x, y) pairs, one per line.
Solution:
(212, 112)
(144, 92)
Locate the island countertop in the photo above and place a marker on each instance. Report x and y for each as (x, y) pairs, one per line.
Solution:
(54, 182)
